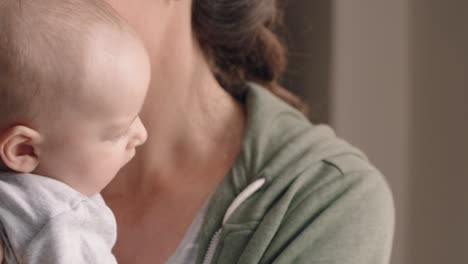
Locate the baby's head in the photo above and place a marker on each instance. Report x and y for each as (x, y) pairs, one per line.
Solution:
(73, 78)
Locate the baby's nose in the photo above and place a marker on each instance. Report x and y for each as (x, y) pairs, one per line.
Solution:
(139, 136)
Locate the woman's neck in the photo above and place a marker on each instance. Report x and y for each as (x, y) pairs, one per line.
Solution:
(195, 132)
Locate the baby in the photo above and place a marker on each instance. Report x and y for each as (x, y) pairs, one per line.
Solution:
(73, 78)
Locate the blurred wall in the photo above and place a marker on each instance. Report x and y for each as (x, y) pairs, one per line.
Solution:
(371, 95)
(308, 37)
(439, 139)
(399, 86)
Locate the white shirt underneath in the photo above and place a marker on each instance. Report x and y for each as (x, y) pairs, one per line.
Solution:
(187, 251)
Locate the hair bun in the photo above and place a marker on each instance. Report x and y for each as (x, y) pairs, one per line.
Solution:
(239, 39)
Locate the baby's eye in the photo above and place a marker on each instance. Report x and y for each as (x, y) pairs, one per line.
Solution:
(120, 136)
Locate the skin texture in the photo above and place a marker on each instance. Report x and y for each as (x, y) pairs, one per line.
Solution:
(87, 153)
(195, 130)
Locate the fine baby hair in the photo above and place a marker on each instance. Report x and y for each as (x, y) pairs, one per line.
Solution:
(41, 43)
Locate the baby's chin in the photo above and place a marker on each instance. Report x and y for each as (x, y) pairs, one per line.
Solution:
(127, 160)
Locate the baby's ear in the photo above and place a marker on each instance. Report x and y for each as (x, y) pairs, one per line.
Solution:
(18, 148)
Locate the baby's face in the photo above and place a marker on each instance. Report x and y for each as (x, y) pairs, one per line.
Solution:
(102, 128)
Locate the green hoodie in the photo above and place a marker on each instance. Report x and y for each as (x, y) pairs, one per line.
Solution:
(296, 194)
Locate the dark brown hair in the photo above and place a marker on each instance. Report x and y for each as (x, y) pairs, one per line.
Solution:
(240, 39)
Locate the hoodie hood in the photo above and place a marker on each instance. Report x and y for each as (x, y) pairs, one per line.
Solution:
(279, 136)
(279, 145)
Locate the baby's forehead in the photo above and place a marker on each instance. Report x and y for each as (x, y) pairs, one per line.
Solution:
(87, 63)
(114, 64)
(109, 53)
(44, 50)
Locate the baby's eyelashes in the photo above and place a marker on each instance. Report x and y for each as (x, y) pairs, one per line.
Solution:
(119, 136)
(122, 136)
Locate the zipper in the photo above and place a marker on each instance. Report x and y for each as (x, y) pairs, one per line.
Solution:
(244, 195)
(212, 247)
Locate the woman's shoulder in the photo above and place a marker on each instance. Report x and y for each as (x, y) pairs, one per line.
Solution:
(281, 140)
(320, 199)
(292, 153)
(298, 192)
(337, 210)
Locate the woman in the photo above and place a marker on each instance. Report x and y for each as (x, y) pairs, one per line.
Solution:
(310, 197)
(230, 173)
